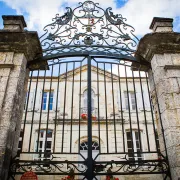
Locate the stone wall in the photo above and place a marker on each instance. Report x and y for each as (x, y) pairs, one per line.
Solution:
(161, 48)
(17, 48)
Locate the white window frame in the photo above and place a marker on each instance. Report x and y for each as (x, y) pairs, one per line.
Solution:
(47, 100)
(85, 99)
(43, 140)
(130, 103)
(134, 143)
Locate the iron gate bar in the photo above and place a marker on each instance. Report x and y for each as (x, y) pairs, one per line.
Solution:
(150, 103)
(139, 134)
(59, 71)
(162, 128)
(26, 107)
(129, 111)
(40, 118)
(72, 108)
(80, 108)
(120, 100)
(98, 107)
(107, 143)
(33, 110)
(89, 162)
(144, 111)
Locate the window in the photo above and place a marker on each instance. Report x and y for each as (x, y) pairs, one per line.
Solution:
(20, 144)
(131, 100)
(47, 100)
(133, 145)
(44, 144)
(85, 99)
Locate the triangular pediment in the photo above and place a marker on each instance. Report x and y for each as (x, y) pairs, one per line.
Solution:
(82, 71)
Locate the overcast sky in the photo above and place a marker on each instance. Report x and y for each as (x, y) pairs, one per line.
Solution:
(139, 13)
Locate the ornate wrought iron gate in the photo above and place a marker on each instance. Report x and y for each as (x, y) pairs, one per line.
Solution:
(90, 96)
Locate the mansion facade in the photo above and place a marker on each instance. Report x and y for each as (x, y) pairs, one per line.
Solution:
(55, 119)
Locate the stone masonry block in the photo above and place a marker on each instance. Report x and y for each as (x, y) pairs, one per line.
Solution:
(174, 85)
(172, 135)
(174, 155)
(17, 71)
(160, 60)
(173, 73)
(151, 81)
(169, 101)
(175, 59)
(9, 58)
(158, 74)
(19, 59)
(9, 101)
(175, 173)
(2, 57)
(171, 83)
(163, 103)
(176, 98)
(6, 57)
(4, 72)
(160, 86)
(3, 135)
(2, 94)
(6, 119)
(170, 118)
(3, 83)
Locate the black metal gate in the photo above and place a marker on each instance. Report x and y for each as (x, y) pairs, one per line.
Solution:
(88, 112)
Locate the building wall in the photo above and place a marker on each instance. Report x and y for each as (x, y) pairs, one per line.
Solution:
(35, 118)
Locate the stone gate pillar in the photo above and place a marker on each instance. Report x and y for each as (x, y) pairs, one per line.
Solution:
(17, 48)
(162, 49)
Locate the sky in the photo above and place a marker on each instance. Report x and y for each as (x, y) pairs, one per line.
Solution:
(139, 13)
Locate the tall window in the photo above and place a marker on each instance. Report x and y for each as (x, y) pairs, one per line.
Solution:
(47, 100)
(45, 143)
(85, 98)
(131, 102)
(133, 145)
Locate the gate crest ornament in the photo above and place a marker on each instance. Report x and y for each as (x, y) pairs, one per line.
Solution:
(89, 29)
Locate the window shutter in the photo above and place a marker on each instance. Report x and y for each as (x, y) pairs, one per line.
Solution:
(54, 100)
(31, 101)
(146, 100)
(123, 100)
(38, 99)
(139, 100)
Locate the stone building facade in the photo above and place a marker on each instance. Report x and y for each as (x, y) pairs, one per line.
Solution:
(49, 109)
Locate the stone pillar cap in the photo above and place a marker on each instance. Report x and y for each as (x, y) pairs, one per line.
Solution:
(159, 19)
(160, 24)
(14, 23)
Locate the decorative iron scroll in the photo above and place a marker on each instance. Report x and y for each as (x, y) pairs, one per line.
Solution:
(89, 29)
(47, 167)
(100, 168)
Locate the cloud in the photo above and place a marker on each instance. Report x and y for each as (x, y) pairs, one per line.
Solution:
(139, 13)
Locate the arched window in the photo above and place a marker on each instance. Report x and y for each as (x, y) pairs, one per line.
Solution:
(85, 99)
(84, 146)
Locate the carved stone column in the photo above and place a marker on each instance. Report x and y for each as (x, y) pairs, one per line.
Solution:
(17, 48)
(162, 49)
